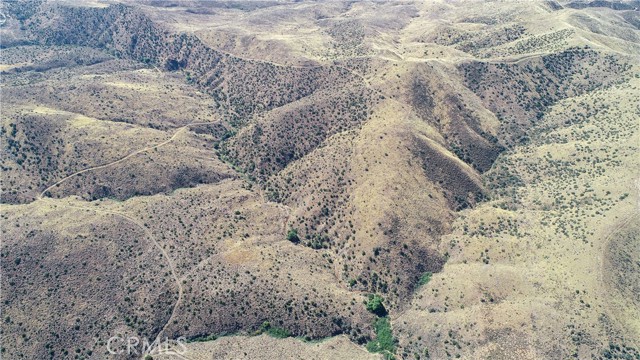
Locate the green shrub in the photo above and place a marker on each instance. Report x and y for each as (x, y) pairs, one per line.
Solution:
(203, 338)
(424, 279)
(375, 305)
(292, 236)
(384, 342)
(278, 333)
(273, 331)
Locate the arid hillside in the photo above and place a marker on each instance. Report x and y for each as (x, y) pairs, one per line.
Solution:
(320, 180)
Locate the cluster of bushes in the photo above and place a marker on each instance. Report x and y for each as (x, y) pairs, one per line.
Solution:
(384, 341)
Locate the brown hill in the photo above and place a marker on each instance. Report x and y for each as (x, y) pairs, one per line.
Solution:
(433, 179)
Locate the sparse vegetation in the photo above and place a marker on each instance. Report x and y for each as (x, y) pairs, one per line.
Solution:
(153, 167)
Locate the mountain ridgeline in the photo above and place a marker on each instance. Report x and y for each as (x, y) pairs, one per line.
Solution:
(235, 179)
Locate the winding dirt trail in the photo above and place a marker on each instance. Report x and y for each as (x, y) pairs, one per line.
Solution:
(134, 221)
(115, 162)
(155, 242)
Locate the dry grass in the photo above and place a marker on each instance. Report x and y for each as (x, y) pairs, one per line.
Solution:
(155, 160)
(543, 268)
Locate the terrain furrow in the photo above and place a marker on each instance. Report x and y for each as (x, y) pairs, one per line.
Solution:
(148, 148)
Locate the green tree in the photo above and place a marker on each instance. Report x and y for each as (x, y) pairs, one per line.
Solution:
(292, 236)
(384, 343)
(375, 305)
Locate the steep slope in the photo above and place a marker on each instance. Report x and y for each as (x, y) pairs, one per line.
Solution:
(238, 85)
(186, 265)
(532, 273)
(72, 116)
(171, 177)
